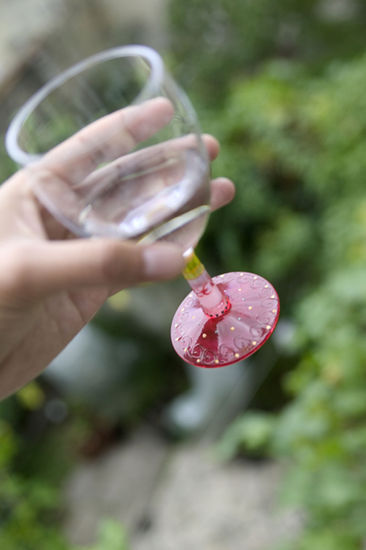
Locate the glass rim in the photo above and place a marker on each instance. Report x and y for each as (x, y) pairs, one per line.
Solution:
(151, 86)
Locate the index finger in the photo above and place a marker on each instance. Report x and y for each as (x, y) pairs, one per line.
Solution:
(107, 139)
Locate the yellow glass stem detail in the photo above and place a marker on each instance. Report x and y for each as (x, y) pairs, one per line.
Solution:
(194, 268)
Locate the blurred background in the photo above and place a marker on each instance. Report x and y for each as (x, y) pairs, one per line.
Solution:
(119, 445)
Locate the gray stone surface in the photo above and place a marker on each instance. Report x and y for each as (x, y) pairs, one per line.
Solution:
(119, 484)
(178, 498)
(202, 504)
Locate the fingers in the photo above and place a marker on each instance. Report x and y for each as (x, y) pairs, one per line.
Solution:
(39, 269)
(222, 189)
(107, 139)
(222, 192)
(142, 162)
(212, 146)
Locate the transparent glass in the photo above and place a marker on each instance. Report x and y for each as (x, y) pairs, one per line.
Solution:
(155, 187)
(159, 190)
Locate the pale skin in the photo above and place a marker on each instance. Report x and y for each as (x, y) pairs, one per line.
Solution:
(51, 283)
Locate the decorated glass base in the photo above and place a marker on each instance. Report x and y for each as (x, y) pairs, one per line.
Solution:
(224, 319)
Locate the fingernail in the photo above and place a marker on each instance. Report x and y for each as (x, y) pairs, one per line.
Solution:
(163, 261)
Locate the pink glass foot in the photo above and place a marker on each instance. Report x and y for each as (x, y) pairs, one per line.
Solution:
(252, 313)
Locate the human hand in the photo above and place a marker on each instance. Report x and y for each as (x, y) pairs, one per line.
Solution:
(52, 284)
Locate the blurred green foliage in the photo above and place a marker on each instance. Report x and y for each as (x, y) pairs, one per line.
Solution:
(216, 41)
(31, 477)
(281, 84)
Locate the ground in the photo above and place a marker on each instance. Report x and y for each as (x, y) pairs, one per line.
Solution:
(175, 497)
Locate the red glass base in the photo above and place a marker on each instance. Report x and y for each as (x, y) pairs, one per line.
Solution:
(253, 313)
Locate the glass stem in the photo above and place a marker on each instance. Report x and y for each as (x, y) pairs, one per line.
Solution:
(212, 298)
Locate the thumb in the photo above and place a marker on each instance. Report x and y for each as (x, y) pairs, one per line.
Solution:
(36, 269)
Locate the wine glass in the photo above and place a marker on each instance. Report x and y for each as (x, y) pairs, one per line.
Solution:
(154, 187)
